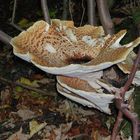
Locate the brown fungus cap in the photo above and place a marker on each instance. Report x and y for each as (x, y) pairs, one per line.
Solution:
(62, 52)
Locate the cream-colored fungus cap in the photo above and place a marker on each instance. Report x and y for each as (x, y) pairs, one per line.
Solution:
(60, 52)
(22, 43)
(83, 93)
(80, 53)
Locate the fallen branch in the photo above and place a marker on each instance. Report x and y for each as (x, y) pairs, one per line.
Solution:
(5, 38)
(26, 87)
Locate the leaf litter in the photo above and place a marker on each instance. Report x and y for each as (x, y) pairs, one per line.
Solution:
(26, 114)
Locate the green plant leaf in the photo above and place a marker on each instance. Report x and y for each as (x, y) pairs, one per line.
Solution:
(26, 81)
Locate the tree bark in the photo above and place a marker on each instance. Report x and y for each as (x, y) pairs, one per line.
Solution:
(45, 11)
(105, 17)
(91, 4)
(65, 12)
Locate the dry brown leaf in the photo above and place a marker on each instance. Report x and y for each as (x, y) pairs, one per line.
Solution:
(26, 114)
(19, 136)
(6, 96)
(51, 132)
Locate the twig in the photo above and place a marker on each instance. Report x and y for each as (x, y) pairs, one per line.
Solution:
(70, 10)
(45, 10)
(83, 13)
(5, 38)
(132, 74)
(134, 118)
(14, 11)
(116, 125)
(105, 16)
(91, 4)
(123, 110)
(13, 17)
(16, 26)
(26, 87)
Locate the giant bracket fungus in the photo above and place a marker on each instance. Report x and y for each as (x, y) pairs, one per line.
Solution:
(78, 56)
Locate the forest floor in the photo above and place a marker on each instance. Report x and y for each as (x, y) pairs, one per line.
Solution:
(31, 108)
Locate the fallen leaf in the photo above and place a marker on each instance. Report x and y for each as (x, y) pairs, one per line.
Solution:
(18, 89)
(81, 137)
(26, 114)
(6, 96)
(19, 136)
(46, 81)
(35, 127)
(37, 76)
(26, 81)
(24, 23)
(74, 131)
(97, 136)
(66, 127)
(51, 132)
